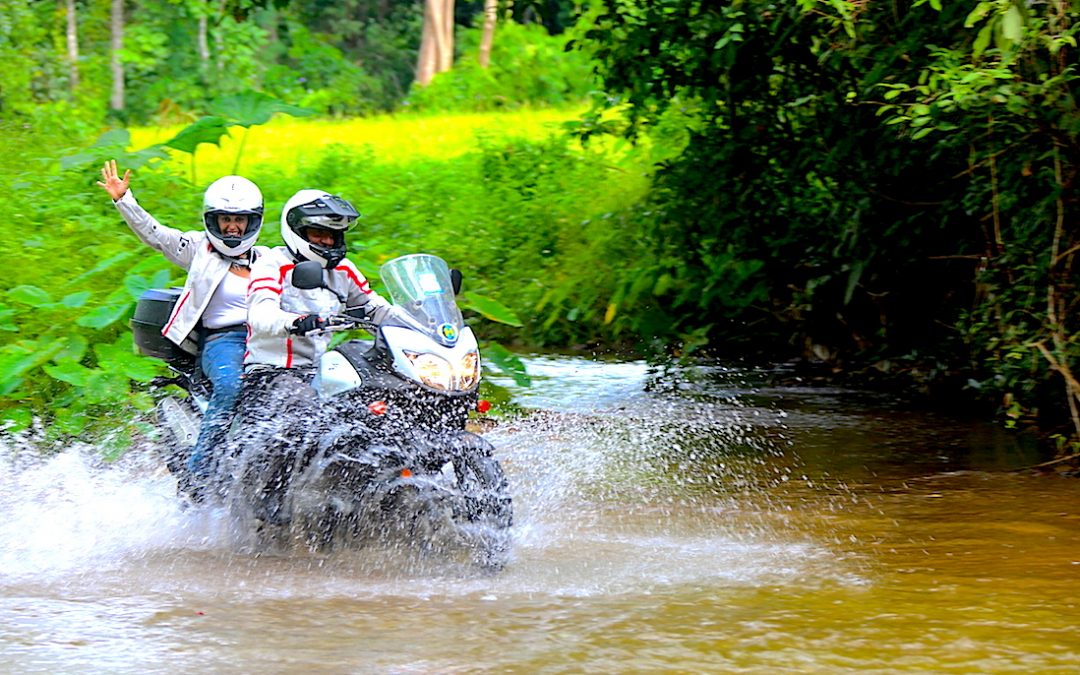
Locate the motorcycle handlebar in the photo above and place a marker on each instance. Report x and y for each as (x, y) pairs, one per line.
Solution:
(340, 322)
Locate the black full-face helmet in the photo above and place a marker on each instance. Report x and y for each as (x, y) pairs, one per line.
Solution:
(318, 209)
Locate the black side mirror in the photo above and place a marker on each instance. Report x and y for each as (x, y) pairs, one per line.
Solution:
(308, 275)
(455, 280)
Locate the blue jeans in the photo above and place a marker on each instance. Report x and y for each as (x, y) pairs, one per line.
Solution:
(222, 362)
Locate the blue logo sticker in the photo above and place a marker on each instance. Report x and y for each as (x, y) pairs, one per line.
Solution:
(448, 331)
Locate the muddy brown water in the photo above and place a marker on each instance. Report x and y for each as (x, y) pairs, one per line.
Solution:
(702, 525)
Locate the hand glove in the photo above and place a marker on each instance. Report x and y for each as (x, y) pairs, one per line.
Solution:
(306, 324)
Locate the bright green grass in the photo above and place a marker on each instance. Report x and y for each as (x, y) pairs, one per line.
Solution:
(285, 144)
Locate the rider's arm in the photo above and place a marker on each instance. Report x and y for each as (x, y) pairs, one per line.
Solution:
(265, 316)
(360, 293)
(177, 246)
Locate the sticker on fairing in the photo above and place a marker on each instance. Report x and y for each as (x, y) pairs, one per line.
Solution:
(449, 332)
(429, 284)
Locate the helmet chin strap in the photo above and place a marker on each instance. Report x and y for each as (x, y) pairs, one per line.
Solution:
(242, 260)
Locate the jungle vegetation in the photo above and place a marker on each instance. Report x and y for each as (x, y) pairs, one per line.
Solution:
(882, 191)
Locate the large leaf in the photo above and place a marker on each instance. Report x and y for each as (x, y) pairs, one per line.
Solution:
(70, 422)
(30, 295)
(7, 321)
(104, 315)
(70, 372)
(74, 300)
(106, 387)
(15, 419)
(101, 266)
(108, 144)
(26, 356)
(74, 349)
(249, 108)
(120, 358)
(489, 309)
(113, 145)
(1012, 25)
(507, 362)
(141, 369)
(204, 130)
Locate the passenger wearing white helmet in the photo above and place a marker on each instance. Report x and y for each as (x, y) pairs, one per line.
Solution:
(212, 308)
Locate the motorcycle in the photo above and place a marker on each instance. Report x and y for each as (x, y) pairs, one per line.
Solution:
(383, 454)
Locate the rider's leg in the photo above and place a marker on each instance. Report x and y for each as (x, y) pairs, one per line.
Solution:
(223, 363)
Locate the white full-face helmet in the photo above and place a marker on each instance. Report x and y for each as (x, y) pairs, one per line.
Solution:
(319, 209)
(232, 195)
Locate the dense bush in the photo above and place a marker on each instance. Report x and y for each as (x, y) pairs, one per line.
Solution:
(519, 216)
(887, 189)
(528, 67)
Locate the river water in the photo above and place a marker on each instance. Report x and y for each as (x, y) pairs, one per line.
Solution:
(705, 523)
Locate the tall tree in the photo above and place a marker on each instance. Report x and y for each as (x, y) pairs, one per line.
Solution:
(116, 101)
(72, 45)
(436, 40)
(203, 44)
(487, 36)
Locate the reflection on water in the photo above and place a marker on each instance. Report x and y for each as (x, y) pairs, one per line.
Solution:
(705, 522)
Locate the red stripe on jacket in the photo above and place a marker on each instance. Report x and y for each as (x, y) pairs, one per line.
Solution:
(255, 281)
(363, 286)
(176, 313)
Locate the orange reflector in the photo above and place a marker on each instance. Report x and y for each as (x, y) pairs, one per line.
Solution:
(405, 473)
(483, 405)
(377, 408)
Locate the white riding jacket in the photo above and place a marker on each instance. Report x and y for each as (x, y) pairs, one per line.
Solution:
(274, 304)
(191, 250)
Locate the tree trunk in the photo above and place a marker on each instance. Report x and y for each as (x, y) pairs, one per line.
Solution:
(73, 45)
(219, 48)
(436, 41)
(116, 101)
(202, 41)
(446, 54)
(487, 37)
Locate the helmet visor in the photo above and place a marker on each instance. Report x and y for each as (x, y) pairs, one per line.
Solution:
(334, 222)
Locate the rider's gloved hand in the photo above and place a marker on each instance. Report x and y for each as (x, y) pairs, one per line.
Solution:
(306, 324)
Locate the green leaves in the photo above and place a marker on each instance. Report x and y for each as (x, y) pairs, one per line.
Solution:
(488, 308)
(71, 372)
(112, 144)
(246, 109)
(106, 315)
(251, 108)
(30, 295)
(204, 130)
(507, 362)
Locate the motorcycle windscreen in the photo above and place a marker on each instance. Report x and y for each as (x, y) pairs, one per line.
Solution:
(419, 284)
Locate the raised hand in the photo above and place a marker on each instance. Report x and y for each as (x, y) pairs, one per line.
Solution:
(114, 185)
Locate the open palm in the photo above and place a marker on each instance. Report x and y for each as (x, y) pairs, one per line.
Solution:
(114, 185)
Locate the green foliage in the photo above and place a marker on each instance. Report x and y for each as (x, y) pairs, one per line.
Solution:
(67, 358)
(518, 216)
(528, 67)
(877, 184)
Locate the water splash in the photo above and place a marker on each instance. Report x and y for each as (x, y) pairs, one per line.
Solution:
(616, 489)
(69, 512)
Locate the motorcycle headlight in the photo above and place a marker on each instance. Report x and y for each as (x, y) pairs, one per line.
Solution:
(469, 371)
(432, 370)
